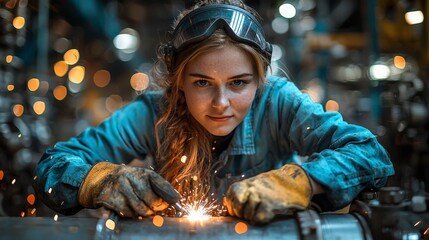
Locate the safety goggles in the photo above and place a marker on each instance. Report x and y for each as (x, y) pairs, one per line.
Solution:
(239, 24)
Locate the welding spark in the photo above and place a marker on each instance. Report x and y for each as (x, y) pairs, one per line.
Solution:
(426, 233)
(197, 213)
(200, 207)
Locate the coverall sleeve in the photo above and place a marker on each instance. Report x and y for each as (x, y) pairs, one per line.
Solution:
(125, 135)
(344, 158)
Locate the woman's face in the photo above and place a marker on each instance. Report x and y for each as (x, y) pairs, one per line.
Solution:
(219, 88)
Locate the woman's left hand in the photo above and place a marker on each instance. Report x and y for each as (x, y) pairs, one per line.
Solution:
(259, 199)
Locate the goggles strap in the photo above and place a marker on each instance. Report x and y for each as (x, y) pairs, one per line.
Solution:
(169, 55)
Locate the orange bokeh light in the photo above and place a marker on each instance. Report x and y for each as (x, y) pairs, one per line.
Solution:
(332, 106)
(60, 92)
(39, 107)
(399, 62)
(1, 175)
(77, 74)
(31, 199)
(139, 81)
(158, 221)
(33, 84)
(61, 68)
(240, 228)
(18, 22)
(18, 110)
(110, 224)
(71, 56)
(9, 58)
(101, 78)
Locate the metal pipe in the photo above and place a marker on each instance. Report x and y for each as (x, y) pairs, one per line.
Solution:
(307, 225)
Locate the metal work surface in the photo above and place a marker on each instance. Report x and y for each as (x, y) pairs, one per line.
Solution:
(306, 226)
(45, 228)
(213, 228)
(340, 227)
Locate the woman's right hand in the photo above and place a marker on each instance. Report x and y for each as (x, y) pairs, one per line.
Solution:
(126, 190)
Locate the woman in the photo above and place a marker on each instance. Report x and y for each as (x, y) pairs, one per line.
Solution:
(218, 126)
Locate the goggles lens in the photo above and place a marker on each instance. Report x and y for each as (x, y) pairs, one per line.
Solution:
(238, 23)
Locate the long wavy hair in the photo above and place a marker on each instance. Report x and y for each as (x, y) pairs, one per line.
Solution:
(184, 146)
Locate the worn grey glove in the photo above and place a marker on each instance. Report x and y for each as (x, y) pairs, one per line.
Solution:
(129, 191)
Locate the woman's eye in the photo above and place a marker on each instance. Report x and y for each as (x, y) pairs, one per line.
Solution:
(202, 83)
(237, 83)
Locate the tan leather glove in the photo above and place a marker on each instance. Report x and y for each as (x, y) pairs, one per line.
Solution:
(129, 191)
(259, 199)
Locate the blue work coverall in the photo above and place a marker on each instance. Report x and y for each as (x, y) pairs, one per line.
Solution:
(282, 124)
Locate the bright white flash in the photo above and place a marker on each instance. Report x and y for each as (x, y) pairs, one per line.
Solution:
(198, 214)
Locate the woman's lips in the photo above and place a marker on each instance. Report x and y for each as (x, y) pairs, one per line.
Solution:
(220, 118)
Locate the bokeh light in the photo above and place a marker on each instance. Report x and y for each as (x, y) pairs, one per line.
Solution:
(158, 221)
(240, 228)
(332, 106)
(77, 74)
(127, 40)
(39, 107)
(18, 110)
(113, 103)
(287, 10)
(101, 78)
(414, 17)
(10, 4)
(61, 68)
(110, 224)
(379, 71)
(33, 84)
(44, 87)
(139, 81)
(280, 25)
(61, 45)
(60, 92)
(31, 199)
(399, 62)
(9, 58)
(71, 56)
(18, 22)
(10, 87)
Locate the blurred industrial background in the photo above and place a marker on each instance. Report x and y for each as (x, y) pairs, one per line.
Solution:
(68, 64)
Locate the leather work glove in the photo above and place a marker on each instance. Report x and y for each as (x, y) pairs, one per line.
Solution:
(260, 198)
(129, 191)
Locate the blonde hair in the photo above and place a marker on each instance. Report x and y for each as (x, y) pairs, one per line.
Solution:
(184, 150)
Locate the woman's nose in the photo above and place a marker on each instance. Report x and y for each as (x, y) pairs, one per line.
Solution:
(221, 99)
